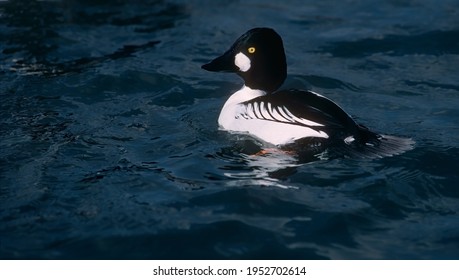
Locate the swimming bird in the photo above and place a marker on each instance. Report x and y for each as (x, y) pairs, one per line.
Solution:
(293, 118)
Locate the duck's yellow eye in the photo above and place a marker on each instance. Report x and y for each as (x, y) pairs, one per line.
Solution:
(251, 49)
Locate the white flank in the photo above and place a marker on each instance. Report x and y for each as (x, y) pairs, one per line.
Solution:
(237, 117)
(242, 61)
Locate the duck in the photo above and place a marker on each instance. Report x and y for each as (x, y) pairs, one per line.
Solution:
(288, 118)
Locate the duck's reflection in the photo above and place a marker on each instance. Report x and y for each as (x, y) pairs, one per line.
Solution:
(250, 164)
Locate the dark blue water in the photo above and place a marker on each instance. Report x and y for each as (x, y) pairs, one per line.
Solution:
(109, 145)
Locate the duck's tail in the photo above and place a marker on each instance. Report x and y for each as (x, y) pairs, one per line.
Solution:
(362, 145)
(372, 145)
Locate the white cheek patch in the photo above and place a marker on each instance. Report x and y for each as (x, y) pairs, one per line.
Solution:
(242, 61)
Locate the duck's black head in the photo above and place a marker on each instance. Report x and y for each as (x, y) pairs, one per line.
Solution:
(258, 57)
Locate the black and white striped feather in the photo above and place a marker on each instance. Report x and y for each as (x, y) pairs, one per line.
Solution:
(301, 108)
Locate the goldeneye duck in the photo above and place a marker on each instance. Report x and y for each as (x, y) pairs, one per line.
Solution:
(287, 118)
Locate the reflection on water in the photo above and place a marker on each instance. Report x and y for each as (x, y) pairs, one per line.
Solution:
(267, 169)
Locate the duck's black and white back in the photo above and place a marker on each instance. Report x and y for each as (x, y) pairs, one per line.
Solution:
(291, 119)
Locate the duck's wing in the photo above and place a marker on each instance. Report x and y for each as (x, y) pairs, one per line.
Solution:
(297, 107)
(309, 109)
